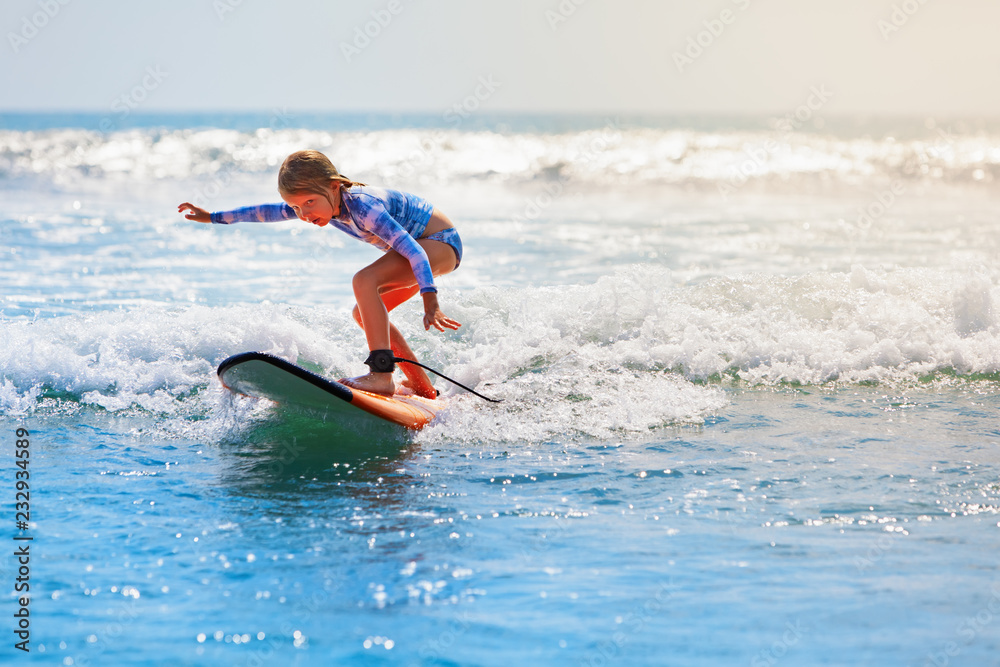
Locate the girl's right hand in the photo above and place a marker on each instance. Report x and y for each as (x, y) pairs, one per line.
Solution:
(196, 214)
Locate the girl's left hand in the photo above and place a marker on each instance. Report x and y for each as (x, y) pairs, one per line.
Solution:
(439, 321)
(433, 317)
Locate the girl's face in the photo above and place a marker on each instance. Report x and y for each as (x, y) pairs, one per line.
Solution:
(316, 208)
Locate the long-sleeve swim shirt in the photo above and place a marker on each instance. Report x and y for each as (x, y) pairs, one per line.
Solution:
(387, 219)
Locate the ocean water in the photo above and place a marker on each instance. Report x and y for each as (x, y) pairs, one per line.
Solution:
(750, 371)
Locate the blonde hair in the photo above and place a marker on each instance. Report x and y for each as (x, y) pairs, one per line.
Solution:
(309, 171)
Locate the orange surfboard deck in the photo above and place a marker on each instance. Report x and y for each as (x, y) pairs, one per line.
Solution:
(263, 375)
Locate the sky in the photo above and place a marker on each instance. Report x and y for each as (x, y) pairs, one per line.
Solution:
(727, 57)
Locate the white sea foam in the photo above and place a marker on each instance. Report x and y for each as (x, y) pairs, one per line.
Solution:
(820, 327)
(631, 352)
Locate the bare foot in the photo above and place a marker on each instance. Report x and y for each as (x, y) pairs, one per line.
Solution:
(376, 383)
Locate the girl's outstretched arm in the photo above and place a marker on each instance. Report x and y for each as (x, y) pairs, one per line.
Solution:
(195, 213)
(260, 213)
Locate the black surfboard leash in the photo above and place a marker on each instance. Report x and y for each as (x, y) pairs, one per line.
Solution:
(442, 375)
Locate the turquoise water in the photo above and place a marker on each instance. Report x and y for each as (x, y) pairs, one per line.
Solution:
(751, 424)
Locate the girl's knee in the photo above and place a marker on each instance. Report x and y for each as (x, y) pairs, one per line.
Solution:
(364, 279)
(356, 314)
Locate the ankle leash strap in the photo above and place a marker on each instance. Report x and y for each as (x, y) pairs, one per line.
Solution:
(384, 361)
(381, 361)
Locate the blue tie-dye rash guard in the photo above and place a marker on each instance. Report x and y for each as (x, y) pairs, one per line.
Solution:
(379, 216)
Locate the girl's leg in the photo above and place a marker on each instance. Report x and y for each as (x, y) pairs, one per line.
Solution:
(380, 287)
(417, 379)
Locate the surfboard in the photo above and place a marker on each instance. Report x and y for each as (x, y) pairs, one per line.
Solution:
(262, 375)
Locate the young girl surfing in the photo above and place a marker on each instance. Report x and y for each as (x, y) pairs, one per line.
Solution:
(419, 242)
